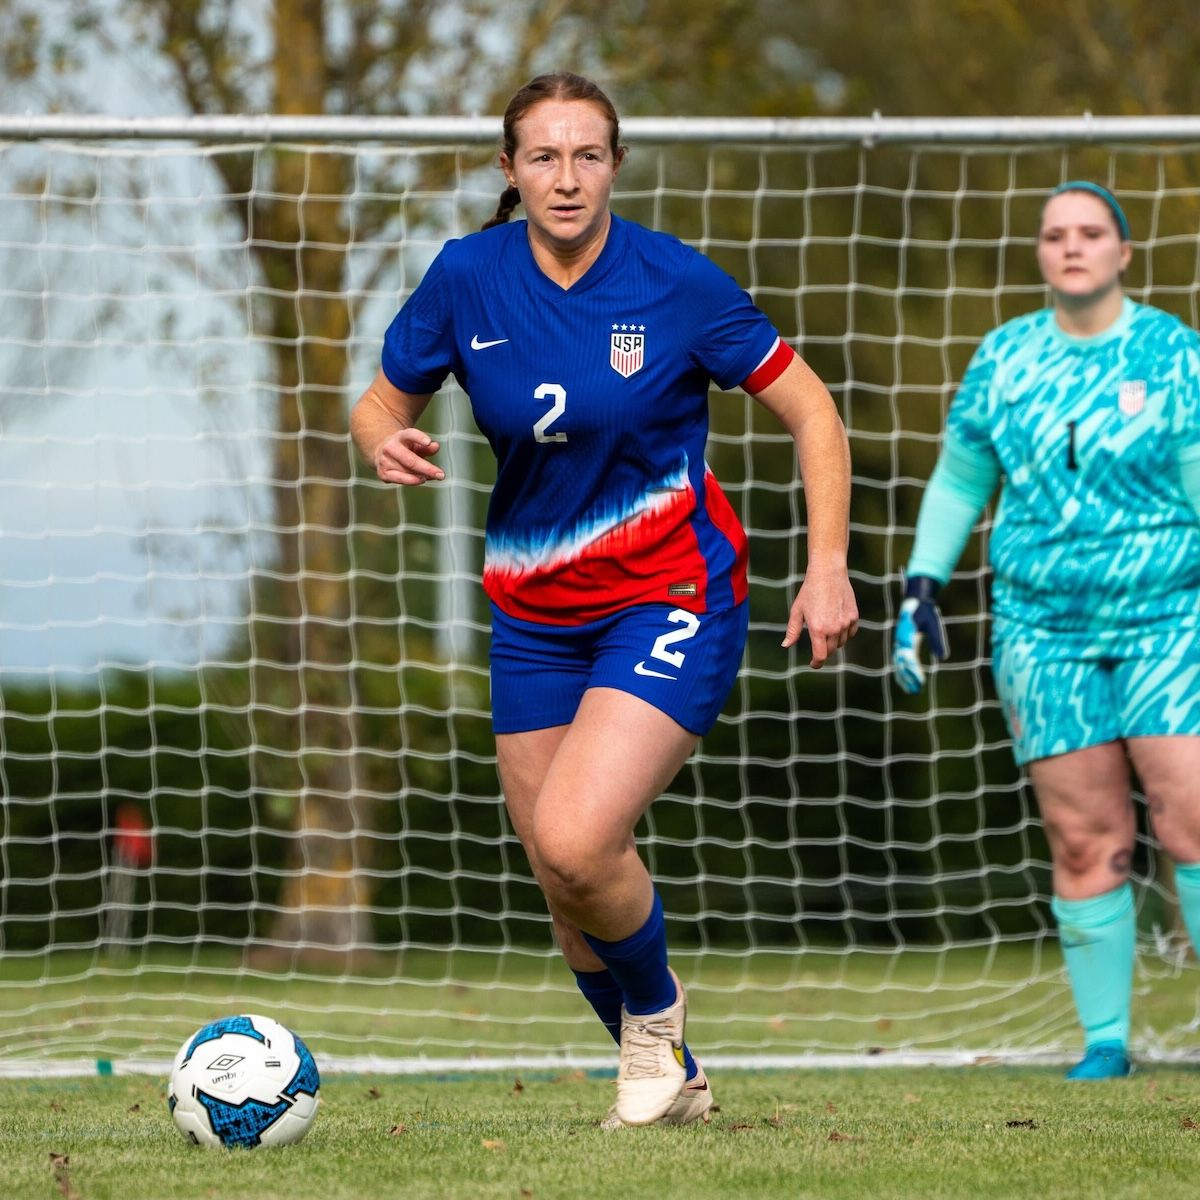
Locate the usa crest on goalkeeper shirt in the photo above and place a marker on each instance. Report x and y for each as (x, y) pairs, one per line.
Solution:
(628, 349)
(1131, 396)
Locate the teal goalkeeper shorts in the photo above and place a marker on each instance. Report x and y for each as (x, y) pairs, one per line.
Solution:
(1067, 692)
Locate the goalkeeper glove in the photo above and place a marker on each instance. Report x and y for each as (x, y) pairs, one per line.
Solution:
(919, 619)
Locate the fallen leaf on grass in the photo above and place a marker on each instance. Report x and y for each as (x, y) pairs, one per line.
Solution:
(62, 1176)
(494, 1144)
(527, 1193)
(740, 1125)
(373, 1093)
(909, 1098)
(55, 1106)
(830, 1107)
(397, 1130)
(1188, 1123)
(1025, 1123)
(835, 1136)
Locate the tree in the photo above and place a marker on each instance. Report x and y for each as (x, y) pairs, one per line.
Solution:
(297, 57)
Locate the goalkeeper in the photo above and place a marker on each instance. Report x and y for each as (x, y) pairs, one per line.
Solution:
(1090, 412)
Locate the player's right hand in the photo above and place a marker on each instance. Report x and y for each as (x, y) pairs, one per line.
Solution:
(919, 619)
(402, 458)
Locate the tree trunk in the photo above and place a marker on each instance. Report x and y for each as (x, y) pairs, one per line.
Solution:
(303, 642)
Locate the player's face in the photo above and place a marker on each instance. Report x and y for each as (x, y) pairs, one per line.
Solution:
(564, 168)
(1080, 251)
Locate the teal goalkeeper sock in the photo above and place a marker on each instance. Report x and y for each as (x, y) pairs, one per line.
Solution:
(1098, 938)
(1187, 888)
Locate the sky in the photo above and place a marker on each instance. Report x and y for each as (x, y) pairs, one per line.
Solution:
(136, 409)
(135, 404)
(111, 464)
(133, 412)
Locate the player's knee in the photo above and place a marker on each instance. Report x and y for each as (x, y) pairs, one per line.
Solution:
(568, 866)
(1082, 855)
(1176, 827)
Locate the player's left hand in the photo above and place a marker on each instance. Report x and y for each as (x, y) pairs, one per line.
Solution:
(919, 619)
(825, 606)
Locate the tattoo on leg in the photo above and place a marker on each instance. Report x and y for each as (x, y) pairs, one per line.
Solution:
(1120, 862)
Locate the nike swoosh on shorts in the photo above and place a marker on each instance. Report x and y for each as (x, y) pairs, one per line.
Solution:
(476, 344)
(642, 669)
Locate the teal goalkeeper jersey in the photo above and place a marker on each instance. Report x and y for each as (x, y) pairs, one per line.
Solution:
(1094, 532)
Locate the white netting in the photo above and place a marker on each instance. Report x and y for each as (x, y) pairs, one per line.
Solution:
(244, 743)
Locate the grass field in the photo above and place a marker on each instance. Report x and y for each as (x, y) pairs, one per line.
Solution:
(880, 1131)
(876, 1132)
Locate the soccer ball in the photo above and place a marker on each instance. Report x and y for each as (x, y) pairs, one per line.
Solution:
(243, 1081)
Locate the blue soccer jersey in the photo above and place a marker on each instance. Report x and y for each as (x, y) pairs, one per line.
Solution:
(1094, 532)
(595, 401)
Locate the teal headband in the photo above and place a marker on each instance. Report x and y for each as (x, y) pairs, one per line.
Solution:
(1101, 193)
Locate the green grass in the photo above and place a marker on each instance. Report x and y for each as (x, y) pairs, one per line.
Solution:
(879, 1133)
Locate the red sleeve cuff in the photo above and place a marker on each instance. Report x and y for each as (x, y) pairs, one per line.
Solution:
(770, 368)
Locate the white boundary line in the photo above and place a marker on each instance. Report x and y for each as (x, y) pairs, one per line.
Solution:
(18, 1068)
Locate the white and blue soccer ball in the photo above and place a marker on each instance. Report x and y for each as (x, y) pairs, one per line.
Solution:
(244, 1081)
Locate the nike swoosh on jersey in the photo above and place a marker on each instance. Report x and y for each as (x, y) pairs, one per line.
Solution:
(642, 669)
(476, 344)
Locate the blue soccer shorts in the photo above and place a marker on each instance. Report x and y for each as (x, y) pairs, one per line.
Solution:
(682, 663)
(1067, 693)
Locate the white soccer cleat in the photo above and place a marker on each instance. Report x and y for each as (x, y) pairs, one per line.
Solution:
(651, 1075)
(694, 1103)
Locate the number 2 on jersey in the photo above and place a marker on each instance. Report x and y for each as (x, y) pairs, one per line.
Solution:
(557, 393)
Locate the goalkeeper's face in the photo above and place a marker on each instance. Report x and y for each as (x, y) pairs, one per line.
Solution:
(1080, 251)
(564, 167)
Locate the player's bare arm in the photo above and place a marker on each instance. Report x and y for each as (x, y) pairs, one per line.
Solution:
(825, 603)
(383, 426)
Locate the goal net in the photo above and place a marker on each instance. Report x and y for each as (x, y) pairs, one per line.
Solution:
(245, 751)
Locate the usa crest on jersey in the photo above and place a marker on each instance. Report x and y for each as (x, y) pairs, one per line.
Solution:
(1131, 396)
(627, 350)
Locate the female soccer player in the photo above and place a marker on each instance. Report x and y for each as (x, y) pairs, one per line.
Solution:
(1090, 410)
(615, 566)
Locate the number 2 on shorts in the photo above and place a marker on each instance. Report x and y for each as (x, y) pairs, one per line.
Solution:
(690, 623)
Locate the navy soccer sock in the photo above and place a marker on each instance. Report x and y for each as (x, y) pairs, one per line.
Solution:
(604, 994)
(638, 964)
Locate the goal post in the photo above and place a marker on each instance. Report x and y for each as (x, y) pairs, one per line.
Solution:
(245, 754)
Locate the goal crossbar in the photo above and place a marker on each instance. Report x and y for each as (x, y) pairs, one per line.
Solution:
(876, 130)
